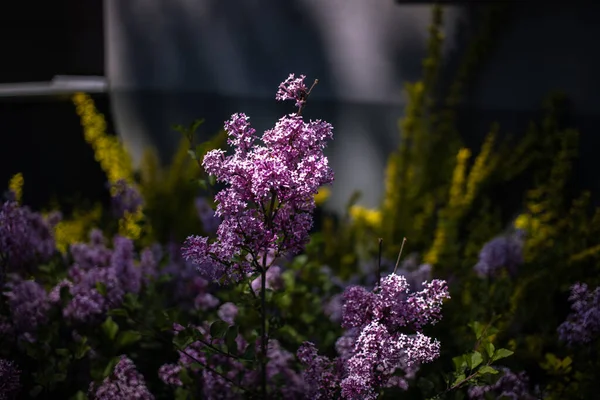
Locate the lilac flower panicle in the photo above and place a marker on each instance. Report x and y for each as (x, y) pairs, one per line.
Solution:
(29, 305)
(501, 252)
(510, 385)
(93, 254)
(374, 348)
(9, 380)
(268, 199)
(125, 198)
(25, 236)
(122, 260)
(583, 324)
(357, 308)
(125, 383)
(169, 374)
(149, 263)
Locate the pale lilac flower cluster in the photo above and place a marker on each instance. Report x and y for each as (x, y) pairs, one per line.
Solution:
(125, 198)
(125, 383)
(25, 236)
(116, 269)
(269, 194)
(210, 222)
(375, 349)
(215, 386)
(583, 324)
(9, 380)
(514, 386)
(501, 252)
(29, 305)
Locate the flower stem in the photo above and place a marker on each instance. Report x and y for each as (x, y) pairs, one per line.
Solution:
(263, 359)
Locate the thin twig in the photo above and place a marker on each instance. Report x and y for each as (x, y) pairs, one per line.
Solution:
(399, 255)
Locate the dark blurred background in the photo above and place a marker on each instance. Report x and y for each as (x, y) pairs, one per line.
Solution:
(173, 61)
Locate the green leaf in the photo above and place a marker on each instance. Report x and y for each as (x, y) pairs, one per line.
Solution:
(59, 377)
(459, 362)
(37, 389)
(477, 328)
(566, 362)
(119, 312)
(218, 329)
(63, 352)
(82, 348)
(110, 328)
(486, 369)
(101, 288)
(212, 180)
(250, 352)
(79, 396)
(203, 184)
(489, 348)
(182, 394)
(183, 339)
(128, 337)
(192, 154)
(474, 360)
(131, 301)
(179, 128)
(110, 366)
(196, 124)
(230, 336)
(502, 353)
(459, 378)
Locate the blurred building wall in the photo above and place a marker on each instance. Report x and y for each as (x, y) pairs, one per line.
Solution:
(170, 61)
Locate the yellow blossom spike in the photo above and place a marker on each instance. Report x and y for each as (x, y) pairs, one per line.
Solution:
(16, 186)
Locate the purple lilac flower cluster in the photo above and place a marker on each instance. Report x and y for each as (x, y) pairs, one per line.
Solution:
(237, 377)
(514, 386)
(29, 305)
(583, 324)
(374, 348)
(414, 273)
(125, 383)
(9, 380)
(25, 236)
(125, 198)
(269, 194)
(501, 252)
(116, 269)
